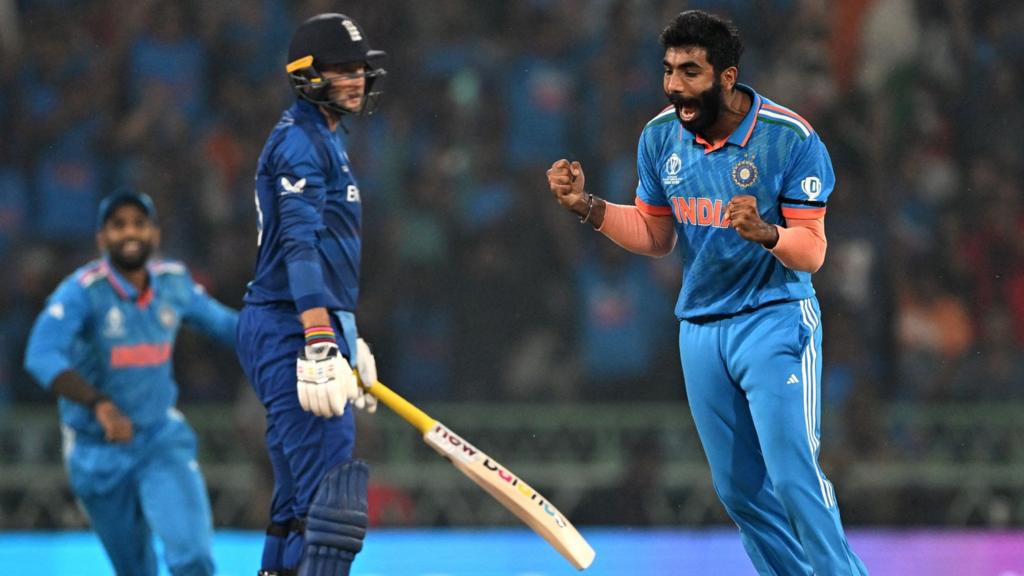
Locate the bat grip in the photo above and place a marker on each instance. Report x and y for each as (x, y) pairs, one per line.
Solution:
(411, 414)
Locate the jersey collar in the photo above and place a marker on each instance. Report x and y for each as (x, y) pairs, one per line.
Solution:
(125, 289)
(310, 111)
(741, 135)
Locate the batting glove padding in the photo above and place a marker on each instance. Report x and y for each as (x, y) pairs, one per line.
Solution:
(325, 380)
(367, 367)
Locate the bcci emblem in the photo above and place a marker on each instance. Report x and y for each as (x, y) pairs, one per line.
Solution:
(744, 173)
(168, 317)
(672, 167)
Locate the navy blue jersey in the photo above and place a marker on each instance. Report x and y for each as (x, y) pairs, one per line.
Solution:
(773, 155)
(120, 341)
(310, 216)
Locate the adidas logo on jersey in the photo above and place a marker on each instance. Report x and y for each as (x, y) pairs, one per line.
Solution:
(793, 379)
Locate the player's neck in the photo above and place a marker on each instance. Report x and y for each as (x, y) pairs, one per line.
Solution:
(332, 118)
(734, 109)
(139, 278)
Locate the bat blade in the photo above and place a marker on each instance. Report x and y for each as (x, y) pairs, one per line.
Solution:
(511, 491)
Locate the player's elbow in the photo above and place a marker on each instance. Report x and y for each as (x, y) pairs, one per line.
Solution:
(661, 251)
(661, 247)
(37, 366)
(809, 263)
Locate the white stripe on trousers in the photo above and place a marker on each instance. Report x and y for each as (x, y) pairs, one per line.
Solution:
(810, 380)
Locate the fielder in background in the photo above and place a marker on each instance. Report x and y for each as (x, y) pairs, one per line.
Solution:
(741, 183)
(104, 345)
(297, 337)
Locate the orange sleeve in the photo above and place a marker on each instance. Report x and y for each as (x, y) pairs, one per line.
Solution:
(638, 231)
(802, 245)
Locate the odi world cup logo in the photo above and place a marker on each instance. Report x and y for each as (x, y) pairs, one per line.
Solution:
(811, 186)
(672, 167)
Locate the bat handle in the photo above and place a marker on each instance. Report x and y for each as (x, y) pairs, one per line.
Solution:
(411, 414)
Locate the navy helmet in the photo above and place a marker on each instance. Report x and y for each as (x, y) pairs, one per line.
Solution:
(325, 40)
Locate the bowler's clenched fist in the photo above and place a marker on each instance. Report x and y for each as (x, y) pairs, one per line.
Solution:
(746, 220)
(566, 182)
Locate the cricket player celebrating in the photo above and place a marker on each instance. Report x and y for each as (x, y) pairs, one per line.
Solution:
(741, 183)
(297, 337)
(103, 344)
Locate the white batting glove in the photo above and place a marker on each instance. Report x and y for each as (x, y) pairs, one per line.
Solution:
(325, 380)
(366, 365)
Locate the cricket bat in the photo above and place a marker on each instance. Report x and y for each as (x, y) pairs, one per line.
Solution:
(522, 500)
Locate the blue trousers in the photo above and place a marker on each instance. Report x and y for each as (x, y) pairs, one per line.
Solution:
(149, 486)
(302, 447)
(753, 385)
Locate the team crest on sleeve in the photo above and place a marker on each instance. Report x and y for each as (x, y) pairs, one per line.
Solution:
(811, 186)
(672, 167)
(744, 173)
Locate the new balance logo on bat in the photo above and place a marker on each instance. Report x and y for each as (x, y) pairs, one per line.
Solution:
(453, 445)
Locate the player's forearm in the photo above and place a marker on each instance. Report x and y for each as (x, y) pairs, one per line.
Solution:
(315, 317)
(72, 386)
(802, 245)
(636, 231)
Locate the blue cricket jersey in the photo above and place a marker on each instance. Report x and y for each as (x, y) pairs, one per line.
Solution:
(120, 341)
(774, 155)
(310, 214)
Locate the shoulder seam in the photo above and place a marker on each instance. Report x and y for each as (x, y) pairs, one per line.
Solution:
(162, 267)
(799, 130)
(90, 275)
(662, 117)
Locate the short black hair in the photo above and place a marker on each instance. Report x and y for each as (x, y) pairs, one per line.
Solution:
(717, 35)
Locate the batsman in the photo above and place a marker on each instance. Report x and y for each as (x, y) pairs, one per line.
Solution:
(297, 338)
(741, 183)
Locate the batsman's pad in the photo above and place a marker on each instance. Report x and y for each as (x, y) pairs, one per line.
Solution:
(337, 520)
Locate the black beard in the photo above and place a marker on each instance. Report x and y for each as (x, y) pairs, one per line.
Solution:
(708, 105)
(130, 263)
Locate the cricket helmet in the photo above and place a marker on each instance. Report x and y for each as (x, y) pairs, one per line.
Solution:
(324, 40)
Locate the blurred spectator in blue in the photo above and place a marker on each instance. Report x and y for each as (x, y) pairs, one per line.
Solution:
(623, 325)
(61, 118)
(541, 91)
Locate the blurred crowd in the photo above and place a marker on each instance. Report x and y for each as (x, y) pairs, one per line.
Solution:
(476, 285)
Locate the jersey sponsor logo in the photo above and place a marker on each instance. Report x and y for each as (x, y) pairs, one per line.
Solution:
(699, 212)
(139, 355)
(744, 173)
(113, 323)
(352, 193)
(56, 310)
(289, 188)
(811, 186)
(672, 167)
